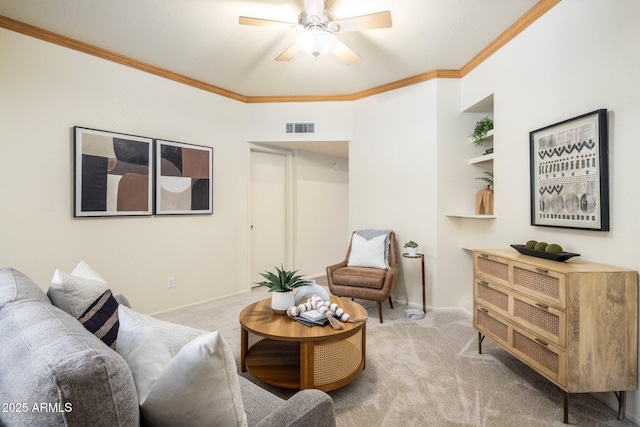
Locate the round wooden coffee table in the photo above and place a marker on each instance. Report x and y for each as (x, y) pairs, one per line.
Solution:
(285, 353)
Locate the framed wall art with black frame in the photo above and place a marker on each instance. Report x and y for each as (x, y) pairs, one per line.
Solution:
(184, 178)
(113, 173)
(570, 173)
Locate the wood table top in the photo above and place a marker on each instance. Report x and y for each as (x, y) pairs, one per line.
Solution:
(260, 319)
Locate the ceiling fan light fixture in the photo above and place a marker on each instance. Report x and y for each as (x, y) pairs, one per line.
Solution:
(316, 42)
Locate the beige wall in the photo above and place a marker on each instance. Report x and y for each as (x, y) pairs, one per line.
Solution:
(393, 164)
(407, 166)
(321, 194)
(579, 57)
(44, 91)
(321, 233)
(407, 159)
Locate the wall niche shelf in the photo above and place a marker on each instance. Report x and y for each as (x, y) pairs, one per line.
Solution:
(481, 159)
(472, 216)
(477, 165)
(486, 140)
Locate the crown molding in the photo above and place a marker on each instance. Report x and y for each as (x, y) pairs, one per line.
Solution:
(542, 7)
(429, 75)
(60, 40)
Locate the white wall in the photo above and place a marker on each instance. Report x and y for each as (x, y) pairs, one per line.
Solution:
(457, 187)
(321, 194)
(321, 212)
(393, 164)
(579, 57)
(44, 91)
(266, 122)
(404, 153)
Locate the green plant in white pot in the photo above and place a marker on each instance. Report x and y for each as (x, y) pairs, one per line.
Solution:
(282, 283)
(411, 247)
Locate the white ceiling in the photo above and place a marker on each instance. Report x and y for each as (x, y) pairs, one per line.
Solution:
(202, 39)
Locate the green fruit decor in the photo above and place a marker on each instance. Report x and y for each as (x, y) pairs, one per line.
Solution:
(554, 248)
(552, 251)
(540, 246)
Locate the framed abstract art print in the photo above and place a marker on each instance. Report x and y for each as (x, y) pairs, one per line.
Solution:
(184, 178)
(113, 173)
(570, 173)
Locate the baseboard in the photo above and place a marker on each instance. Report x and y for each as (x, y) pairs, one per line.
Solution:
(200, 302)
(435, 309)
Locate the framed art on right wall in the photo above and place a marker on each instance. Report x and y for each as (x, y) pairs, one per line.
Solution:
(184, 178)
(570, 173)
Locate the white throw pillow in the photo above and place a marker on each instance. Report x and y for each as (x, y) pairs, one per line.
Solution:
(367, 253)
(75, 292)
(172, 335)
(198, 386)
(85, 271)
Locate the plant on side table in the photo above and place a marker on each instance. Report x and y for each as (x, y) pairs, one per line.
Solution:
(282, 283)
(411, 247)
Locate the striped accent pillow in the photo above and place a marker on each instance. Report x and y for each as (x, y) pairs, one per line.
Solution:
(101, 318)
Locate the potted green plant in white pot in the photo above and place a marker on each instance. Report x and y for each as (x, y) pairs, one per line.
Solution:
(411, 247)
(282, 283)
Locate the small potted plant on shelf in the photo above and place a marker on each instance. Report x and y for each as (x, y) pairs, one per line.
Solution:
(484, 197)
(488, 178)
(411, 247)
(282, 283)
(483, 127)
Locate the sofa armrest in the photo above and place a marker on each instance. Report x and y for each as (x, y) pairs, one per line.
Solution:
(306, 408)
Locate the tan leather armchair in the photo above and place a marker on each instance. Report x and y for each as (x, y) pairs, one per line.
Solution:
(373, 284)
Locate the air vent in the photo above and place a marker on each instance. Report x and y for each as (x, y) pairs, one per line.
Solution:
(301, 128)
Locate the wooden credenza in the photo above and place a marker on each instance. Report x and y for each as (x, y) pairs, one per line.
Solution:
(575, 323)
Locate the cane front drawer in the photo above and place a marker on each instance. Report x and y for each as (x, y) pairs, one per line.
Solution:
(491, 268)
(541, 283)
(546, 358)
(491, 296)
(548, 322)
(491, 324)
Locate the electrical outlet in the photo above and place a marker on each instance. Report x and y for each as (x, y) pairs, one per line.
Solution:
(171, 282)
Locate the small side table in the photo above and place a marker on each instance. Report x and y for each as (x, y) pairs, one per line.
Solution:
(424, 300)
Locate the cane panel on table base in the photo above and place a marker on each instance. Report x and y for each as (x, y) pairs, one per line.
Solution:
(337, 360)
(285, 353)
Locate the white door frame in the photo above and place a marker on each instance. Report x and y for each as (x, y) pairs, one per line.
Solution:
(289, 209)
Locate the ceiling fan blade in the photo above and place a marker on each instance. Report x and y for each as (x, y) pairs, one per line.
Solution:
(289, 53)
(345, 54)
(259, 22)
(365, 22)
(314, 7)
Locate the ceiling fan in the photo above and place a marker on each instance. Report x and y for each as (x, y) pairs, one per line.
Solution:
(318, 31)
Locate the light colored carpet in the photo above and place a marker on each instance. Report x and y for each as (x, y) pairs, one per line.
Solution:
(424, 372)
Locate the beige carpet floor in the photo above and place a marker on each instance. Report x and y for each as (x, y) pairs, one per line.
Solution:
(424, 372)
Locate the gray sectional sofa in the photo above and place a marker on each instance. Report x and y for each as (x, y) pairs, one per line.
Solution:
(54, 372)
